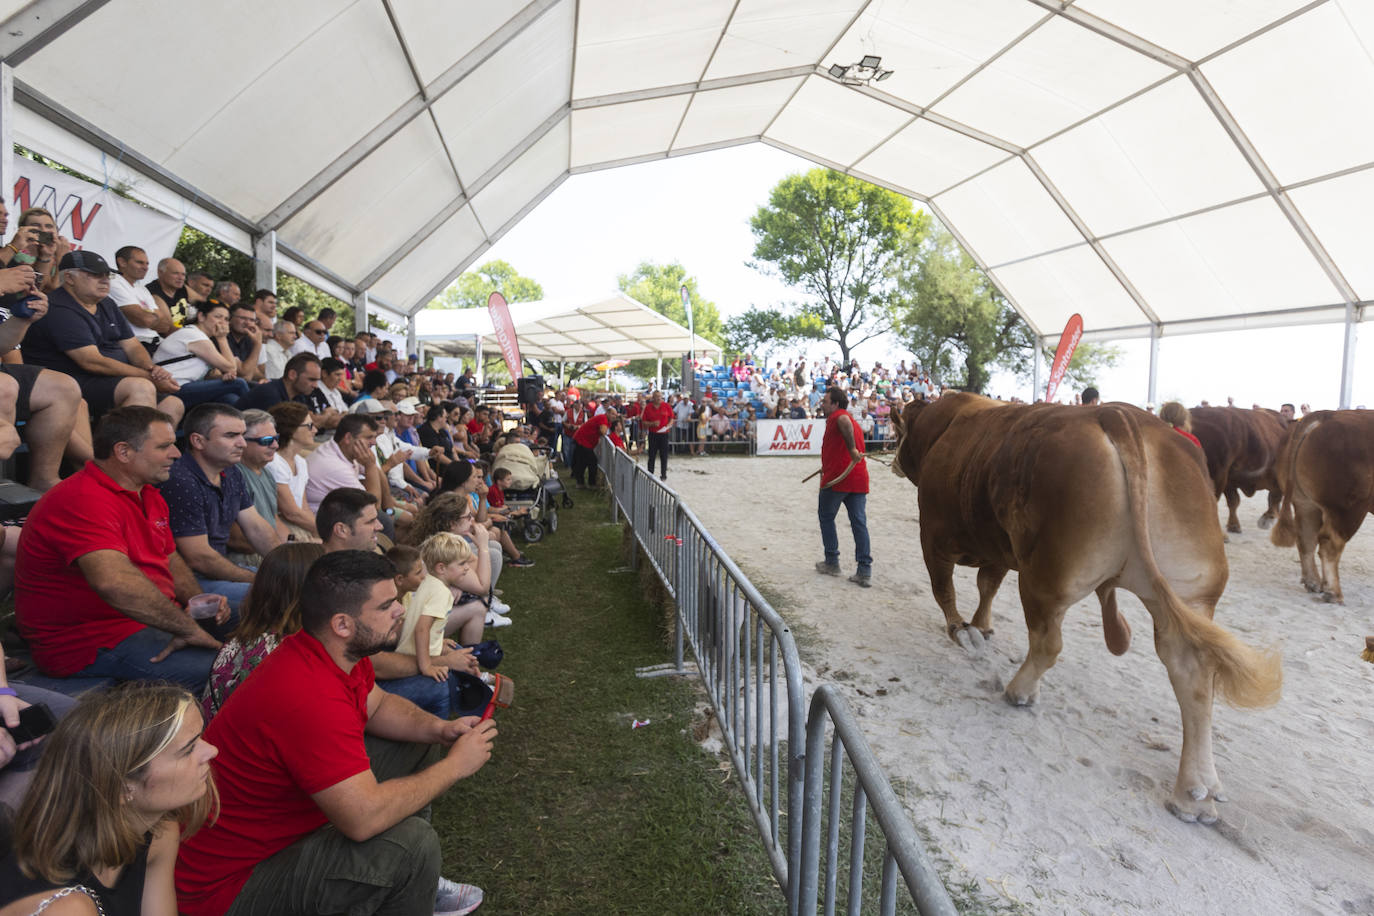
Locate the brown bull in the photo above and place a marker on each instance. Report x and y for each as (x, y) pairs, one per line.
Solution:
(1327, 474)
(1080, 500)
(1242, 448)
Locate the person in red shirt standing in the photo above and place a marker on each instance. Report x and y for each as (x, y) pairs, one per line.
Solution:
(321, 774)
(584, 446)
(657, 421)
(100, 590)
(844, 481)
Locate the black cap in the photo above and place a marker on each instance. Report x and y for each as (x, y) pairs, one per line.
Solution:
(88, 261)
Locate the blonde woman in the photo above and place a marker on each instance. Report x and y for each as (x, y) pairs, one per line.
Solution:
(1177, 416)
(124, 774)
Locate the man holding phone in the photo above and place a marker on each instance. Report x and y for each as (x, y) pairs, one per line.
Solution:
(26, 715)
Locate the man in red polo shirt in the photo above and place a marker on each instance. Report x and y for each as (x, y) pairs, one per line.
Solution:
(99, 588)
(844, 482)
(321, 773)
(657, 421)
(584, 446)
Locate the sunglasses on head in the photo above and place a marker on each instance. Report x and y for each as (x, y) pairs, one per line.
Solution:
(264, 441)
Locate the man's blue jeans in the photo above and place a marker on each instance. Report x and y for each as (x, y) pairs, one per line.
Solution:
(129, 661)
(425, 692)
(855, 504)
(206, 390)
(234, 591)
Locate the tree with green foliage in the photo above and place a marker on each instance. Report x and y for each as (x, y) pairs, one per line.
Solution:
(1087, 361)
(659, 287)
(961, 328)
(473, 287)
(837, 238)
(759, 331)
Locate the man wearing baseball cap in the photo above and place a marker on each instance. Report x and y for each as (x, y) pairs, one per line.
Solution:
(86, 336)
(418, 472)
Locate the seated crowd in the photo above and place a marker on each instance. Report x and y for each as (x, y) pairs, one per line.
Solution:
(284, 548)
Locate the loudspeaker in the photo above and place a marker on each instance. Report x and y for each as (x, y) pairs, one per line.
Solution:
(529, 389)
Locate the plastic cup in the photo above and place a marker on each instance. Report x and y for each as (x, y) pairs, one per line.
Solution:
(203, 607)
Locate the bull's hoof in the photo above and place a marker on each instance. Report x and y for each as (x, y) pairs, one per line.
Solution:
(1017, 697)
(1193, 806)
(1332, 597)
(1233, 527)
(1266, 522)
(969, 639)
(1312, 585)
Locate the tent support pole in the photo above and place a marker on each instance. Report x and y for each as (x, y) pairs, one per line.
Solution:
(411, 340)
(1035, 371)
(658, 373)
(7, 169)
(1352, 318)
(561, 364)
(265, 260)
(361, 322)
(1155, 332)
(479, 371)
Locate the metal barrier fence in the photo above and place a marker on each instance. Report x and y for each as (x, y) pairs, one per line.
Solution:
(748, 662)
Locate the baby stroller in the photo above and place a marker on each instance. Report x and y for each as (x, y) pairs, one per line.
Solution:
(534, 488)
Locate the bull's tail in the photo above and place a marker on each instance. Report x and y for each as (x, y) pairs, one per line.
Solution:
(1285, 533)
(1245, 676)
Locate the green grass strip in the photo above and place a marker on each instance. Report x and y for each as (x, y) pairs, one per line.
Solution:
(577, 812)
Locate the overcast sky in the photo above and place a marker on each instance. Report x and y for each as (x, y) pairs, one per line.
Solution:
(696, 210)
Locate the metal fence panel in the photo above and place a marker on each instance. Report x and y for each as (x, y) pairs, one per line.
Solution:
(738, 641)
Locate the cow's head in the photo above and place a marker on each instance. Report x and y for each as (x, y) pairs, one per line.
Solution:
(905, 464)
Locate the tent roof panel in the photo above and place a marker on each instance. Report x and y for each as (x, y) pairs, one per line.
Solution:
(506, 98)
(438, 38)
(1056, 285)
(1006, 214)
(543, 162)
(1295, 91)
(929, 158)
(1346, 232)
(727, 114)
(1159, 155)
(458, 237)
(1188, 28)
(1055, 76)
(622, 131)
(776, 34)
(828, 120)
(627, 44)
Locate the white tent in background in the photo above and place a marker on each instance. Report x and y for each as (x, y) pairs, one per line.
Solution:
(1160, 167)
(553, 331)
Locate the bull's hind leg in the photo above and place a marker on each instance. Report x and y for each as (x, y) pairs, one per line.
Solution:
(1266, 521)
(989, 581)
(1309, 522)
(1044, 623)
(942, 587)
(1198, 787)
(1232, 504)
(1340, 527)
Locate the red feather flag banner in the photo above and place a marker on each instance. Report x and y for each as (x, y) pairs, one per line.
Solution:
(1068, 342)
(505, 333)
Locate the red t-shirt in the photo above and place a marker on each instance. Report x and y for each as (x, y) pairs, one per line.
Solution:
(835, 455)
(616, 441)
(475, 426)
(496, 497)
(1187, 435)
(658, 419)
(57, 611)
(632, 410)
(590, 431)
(293, 728)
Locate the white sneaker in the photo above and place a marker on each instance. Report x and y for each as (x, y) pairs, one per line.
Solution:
(499, 606)
(454, 899)
(496, 620)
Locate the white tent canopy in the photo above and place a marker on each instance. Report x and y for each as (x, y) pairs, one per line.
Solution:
(1159, 167)
(615, 327)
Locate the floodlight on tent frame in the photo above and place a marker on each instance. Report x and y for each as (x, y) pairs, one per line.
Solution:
(869, 69)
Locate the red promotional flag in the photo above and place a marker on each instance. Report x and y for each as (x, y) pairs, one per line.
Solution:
(1068, 342)
(505, 333)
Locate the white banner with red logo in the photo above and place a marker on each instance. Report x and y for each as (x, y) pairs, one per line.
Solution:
(93, 218)
(1068, 342)
(505, 333)
(790, 437)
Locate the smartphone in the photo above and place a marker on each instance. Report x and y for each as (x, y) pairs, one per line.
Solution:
(34, 722)
(45, 238)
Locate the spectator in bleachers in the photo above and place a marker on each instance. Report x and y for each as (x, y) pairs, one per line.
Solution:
(277, 351)
(265, 304)
(301, 752)
(169, 288)
(260, 443)
(435, 433)
(298, 382)
(396, 458)
(206, 497)
(86, 336)
(346, 461)
(419, 472)
(314, 339)
(47, 402)
(228, 292)
(100, 588)
(295, 436)
(333, 386)
(348, 520)
(296, 315)
(270, 613)
(17, 761)
(327, 316)
(124, 776)
(149, 317)
(47, 247)
(377, 481)
(199, 286)
(245, 342)
(193, 353)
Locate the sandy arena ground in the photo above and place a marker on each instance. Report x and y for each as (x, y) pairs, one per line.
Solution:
(1060, 806)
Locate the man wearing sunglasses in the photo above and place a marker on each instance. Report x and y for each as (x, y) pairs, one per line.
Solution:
(259, 448)
(314, 339)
